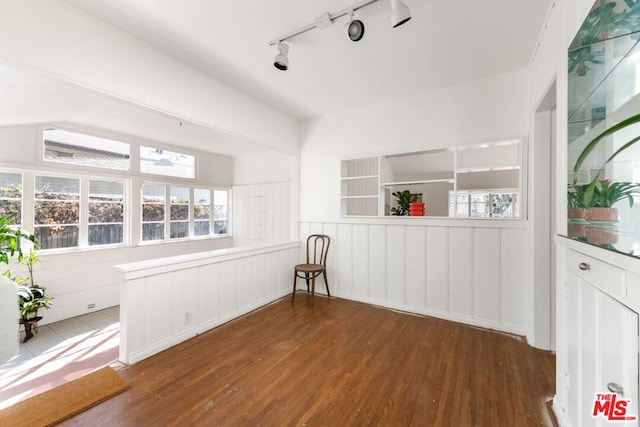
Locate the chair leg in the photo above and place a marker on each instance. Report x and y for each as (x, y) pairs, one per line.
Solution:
(324, 274)
(293, 295)
(313, 288)
(306, 275)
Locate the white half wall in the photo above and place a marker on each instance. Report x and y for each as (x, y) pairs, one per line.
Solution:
(457, 270)
(169, 300)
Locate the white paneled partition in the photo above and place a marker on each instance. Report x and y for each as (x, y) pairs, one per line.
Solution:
(168, 300)
(473, 272)
(261, 213)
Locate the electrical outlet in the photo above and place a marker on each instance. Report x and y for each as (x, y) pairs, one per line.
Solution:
(187, 318)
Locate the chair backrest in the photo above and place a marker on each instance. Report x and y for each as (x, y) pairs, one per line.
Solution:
(317, 248)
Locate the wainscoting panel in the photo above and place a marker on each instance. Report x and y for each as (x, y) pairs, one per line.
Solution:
(473, 271)
(487, 294)
(461, 271)
(412, 258)
(340, 260)
(396, 271)
(378, 263)
(261, 213)
(515, 288)
(361, 260)
(437, 259)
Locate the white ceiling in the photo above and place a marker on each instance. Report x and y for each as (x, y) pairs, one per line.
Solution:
(446, 42)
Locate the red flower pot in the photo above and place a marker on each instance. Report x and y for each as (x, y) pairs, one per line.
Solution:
(416, 209)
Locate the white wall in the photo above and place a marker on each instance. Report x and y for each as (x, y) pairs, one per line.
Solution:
(263, 167)
(55, 37)
(491, 108)
(261, 213)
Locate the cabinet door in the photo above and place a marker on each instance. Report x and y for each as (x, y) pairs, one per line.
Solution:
(602, 348)
(618, 352)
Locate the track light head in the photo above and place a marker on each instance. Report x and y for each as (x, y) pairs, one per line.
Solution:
(400, 13)
(281, 61)
(354, 28)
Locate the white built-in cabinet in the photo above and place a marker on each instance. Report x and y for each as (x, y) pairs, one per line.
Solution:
(368, 182)
(597, 346)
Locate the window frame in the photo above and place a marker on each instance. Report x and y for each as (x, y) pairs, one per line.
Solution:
(192, 178)
(192, 202)
(42, 151)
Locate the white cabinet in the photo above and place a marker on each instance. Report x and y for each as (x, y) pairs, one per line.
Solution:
(597, 349)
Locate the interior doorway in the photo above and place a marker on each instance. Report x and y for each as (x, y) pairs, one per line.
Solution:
(543, 226)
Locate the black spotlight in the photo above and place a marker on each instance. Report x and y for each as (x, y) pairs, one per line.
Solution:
(355, 30)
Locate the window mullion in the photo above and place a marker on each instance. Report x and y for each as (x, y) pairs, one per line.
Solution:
(83, 237)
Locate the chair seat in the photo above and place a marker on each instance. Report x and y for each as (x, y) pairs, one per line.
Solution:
(309, 268)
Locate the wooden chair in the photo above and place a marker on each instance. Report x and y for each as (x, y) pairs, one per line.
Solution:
(316, 264)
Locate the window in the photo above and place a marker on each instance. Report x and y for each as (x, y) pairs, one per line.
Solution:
(164, 162)
(482, 204)
(183, 211)
(179, 220)
(106, 212)
(11, 197)
(220, 211)
(57, 212)
(85, 150)
(202, 212)
(153, 201)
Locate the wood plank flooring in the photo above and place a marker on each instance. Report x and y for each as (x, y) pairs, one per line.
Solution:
(339, 363)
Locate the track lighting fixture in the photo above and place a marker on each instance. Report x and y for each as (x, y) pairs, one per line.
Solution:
(399, 13)
(355, 28)
(282, 60)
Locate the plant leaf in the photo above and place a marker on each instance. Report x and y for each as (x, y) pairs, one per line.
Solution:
(595, 141)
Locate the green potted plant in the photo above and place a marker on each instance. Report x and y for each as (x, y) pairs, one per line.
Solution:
(36, 298)
(30, 303)
(30, 298)
(407, 204)
(605, 194)
(576, 208)
(593, 192)
(403, 198)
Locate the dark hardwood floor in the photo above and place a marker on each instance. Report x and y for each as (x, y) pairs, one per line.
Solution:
(339, 363)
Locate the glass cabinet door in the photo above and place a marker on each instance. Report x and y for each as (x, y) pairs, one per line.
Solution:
(603, 195)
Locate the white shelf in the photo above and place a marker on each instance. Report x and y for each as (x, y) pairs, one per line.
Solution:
(425, 181)
(347, 178)
(373, 196)
(487, 169)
